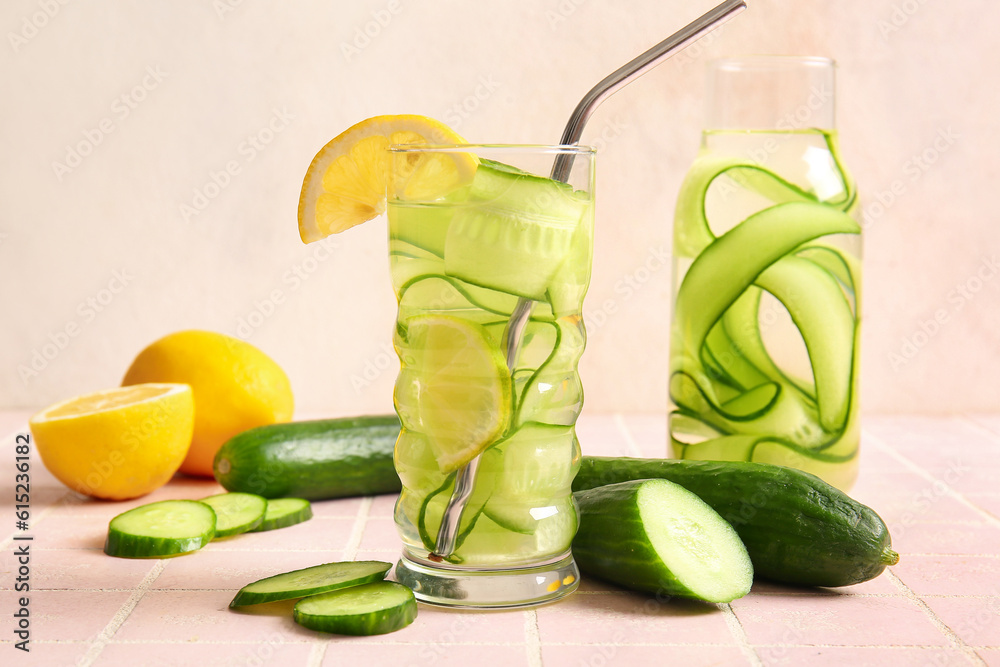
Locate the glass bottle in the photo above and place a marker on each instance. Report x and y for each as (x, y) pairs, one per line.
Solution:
(767, 249)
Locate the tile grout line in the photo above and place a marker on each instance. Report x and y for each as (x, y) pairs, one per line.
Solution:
(6, 542)
(921, 472)
(621, 594)
(532, 639)
(95, 649)
(630, 444)
(952, 637)
(139, 642)
(318, 650)
(975, 425)
(740, 635)
(358, 529)
(316, 653)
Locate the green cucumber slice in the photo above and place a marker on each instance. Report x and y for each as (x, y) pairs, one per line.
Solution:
(515, 232)
(311, 581)
(656, 536)
(371, 609)
(530, 471)
(160, 529)
(284, 512)
(236, 512)
(489, 543)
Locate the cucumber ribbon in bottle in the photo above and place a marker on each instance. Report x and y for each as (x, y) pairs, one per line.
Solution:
(732, 400)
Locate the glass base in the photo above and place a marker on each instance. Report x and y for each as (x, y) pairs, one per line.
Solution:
(469, 588)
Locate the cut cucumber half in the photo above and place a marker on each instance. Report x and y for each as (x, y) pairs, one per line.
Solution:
(236, 513)
(371, 609)
(284, 512)
(311, 581)
(656, 536)
(159, 529)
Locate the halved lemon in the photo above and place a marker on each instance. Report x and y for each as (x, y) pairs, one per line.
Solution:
(347, 181)
(117, 444)
(454, 387)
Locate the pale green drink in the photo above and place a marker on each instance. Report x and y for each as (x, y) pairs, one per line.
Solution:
(460, 263)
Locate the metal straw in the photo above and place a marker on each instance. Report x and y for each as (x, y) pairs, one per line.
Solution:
(608, 86)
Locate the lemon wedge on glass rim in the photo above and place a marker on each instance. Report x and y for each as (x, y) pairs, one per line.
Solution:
(346, 182)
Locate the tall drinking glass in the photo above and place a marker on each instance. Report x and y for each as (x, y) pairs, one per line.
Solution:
(488, 449)
(767, 272)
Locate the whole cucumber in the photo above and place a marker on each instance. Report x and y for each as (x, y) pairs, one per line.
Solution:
(315, 460)
(797, 528)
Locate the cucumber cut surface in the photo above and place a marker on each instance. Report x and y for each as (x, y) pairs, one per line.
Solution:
(284, 512)
(371, 609)
(656, 536)
(311, 581)
(236, 513)
(159, 529)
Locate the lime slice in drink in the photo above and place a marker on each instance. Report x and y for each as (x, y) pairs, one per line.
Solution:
(453, 387)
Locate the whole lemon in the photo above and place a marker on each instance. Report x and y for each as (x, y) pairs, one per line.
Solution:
(236, 387)
(117, 444)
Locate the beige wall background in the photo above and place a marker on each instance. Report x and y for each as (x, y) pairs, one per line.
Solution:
(119, 114)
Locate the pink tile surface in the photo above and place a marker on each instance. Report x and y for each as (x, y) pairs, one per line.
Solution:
(612, 655)
(946, 537)
(317, 534)
(988, 502)
(348, 652)
(44, 653)
(836, 656)
(341, 508)
(66, 615)
(76, 569)
(836, 621)
(950, 562)
(615, 618)
(380, 534)
(202, 616)
(161, 654)
(950, 575)
(976, 621)
(990, 655)
(219, 570)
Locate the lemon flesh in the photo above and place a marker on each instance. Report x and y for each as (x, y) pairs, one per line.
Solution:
(117, 444)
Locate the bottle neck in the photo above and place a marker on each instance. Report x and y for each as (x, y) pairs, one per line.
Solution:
(771, 93)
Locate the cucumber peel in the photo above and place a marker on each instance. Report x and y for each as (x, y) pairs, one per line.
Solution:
(370, 609)
(310, 581)
(236, 513)
(160, 529)
(284, 512)
(655, 536)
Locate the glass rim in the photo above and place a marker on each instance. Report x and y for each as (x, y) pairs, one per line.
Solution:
(540, 149)
(769, 61)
